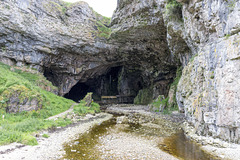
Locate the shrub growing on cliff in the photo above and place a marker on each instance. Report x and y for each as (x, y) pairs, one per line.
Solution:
(144, 96)
(174, 87)
(160, 104)
(102, 24)
(102, 30)
(166, 105)
(174, 9)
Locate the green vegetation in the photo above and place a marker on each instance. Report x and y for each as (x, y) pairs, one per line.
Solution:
(163, 104)
(82, 109)
(231, 4)
(28, 84)
(144, 96)
(178, 76)
(3, 49)
(102, 24)
(103, 19)
(160, 103)
(59, 7)
(174, 88)
(67, 4)
(227, 36)
(21, 127)
(53, 6)
(174, 10)
(192, 58)
(103, 31)
(45, 135)
(212, 75)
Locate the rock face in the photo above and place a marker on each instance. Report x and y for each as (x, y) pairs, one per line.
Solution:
(71, 44)
(20, 98)
(68, 44)
(208, 91)
(51, 36)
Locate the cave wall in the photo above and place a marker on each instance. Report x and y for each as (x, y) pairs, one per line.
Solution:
(62, 41)
(120, 81)
(150, 38)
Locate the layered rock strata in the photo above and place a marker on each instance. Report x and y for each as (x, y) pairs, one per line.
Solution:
(150, 39)
(208, 90)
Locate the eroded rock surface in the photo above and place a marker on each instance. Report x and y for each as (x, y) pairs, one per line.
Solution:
(208, 91)
(149, 40)
(65, 42)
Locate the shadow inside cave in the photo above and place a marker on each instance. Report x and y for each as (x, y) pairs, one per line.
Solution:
(116, 85)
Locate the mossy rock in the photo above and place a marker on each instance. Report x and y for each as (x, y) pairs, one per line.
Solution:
(88, 99)
(19, 98)
(144, 96)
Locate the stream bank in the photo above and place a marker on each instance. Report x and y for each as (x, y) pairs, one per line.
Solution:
(213, 146)
(217, 148)
(135, 133)
(52, 147)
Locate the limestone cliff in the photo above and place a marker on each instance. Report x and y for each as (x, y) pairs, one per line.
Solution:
(138, 53)
(69, 43)
(208, 91)
(53, 37)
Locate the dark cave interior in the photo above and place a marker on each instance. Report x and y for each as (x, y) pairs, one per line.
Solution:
(117, 85)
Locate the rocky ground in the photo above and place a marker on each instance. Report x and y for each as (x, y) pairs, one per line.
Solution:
(230, 153)
(216, 147)
(126, 109)
(122, 145)
(139, 143)
(52, 147)
(119, 143)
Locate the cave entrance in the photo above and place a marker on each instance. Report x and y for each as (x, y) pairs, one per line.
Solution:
(116, 85)
(78, 92)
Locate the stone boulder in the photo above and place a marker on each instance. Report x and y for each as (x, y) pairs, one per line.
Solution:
(19, 98)
(14, 105)
(88, 99)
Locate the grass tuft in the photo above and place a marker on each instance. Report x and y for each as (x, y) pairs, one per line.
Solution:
(82, 109)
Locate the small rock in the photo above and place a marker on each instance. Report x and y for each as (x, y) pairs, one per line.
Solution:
(222, 156)
(75, 143)
(225, 145)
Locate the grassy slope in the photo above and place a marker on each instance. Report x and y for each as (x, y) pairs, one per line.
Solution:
(21, 126)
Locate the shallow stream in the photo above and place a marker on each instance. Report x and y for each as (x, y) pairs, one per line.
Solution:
(90, 145)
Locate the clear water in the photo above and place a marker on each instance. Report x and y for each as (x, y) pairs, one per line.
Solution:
(183, 148)
(177, 145)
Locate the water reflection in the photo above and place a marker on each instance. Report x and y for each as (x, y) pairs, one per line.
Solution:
(177, 145)
(84, 147)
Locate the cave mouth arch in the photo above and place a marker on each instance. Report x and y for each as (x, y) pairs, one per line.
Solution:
(78, 92)
(117, 85)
